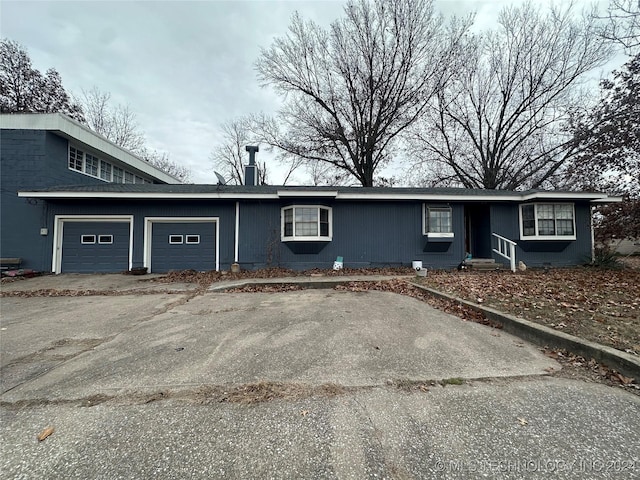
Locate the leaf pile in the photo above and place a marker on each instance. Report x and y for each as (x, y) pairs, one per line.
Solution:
(267, 288)
(575, 366)
(598, 305)
(207, 278)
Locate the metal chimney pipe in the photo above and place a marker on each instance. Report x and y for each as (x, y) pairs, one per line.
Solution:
(251, 170)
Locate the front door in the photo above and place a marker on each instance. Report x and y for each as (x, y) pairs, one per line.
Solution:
(477, 220)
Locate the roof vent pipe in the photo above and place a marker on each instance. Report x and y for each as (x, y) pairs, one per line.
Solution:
(251, 170)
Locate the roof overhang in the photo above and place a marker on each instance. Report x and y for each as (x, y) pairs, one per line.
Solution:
(337, 195)
(76, 132)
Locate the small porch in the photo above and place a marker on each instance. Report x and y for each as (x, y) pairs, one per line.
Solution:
(488, 250)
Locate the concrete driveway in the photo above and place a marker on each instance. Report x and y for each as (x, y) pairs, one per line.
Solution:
(175, 383)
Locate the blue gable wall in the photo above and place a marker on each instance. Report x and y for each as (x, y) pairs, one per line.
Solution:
(31, 159)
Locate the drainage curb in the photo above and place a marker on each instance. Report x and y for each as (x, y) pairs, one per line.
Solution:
(547, 337)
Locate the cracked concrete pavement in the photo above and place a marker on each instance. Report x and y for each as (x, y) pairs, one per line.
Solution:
(120, 378)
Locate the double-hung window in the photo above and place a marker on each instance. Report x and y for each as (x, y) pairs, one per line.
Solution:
(306, 223)
(437, 221)
(547, 221)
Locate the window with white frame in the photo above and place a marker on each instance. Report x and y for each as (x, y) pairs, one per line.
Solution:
(547, 221)
(105, 170)
(91, 165)
(118, 175)
(176, 239)
(76, 159)
(437, 221)
(306, 223)
(105, 239)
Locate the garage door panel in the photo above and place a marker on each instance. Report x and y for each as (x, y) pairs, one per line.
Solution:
(183, 246)
(95, 247)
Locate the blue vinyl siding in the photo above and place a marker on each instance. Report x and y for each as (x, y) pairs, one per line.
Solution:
(537, 253)
(31, 160)
(166, 256)
(96, 256)
(365, 234)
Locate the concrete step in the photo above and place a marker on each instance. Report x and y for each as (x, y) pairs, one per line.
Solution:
(484, 264)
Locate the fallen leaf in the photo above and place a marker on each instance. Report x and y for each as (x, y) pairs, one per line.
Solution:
(304, 413)
(522, 421)
(45, 433)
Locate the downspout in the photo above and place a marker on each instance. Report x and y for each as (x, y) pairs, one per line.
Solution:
(237, 235)
(592, 210)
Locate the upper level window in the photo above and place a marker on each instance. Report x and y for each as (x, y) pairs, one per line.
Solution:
(118, 175)
(547, 221)
(76, 159)
(105, 170)
(306, 222)
(437, 221)
(91, 164)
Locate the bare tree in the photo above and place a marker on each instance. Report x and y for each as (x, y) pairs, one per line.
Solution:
(229, 155)
(624, 24)
(352, 89)
(161, 161)
(116, 122)
(501, 123)
(24, 89)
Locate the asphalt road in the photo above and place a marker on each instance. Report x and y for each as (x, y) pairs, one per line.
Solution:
(308, 384)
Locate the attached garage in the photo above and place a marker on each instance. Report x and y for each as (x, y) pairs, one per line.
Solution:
(92, 244)
(181, 244)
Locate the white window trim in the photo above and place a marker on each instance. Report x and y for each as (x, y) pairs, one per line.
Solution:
(109, 241)
(303, 238)
(187, 240)
(100, 162)
(425, 223)
(87, 242)
(535, 216)
(173, 242)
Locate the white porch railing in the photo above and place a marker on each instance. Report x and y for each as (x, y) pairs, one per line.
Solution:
(507, 249)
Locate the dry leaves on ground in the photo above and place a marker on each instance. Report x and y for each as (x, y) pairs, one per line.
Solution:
(598, 305)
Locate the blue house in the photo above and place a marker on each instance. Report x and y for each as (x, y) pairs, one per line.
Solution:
(74, 202)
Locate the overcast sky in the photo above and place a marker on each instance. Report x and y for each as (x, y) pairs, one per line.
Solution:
(184, 67)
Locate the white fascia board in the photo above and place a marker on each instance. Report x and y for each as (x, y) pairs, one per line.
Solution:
(307, 193)
(428, 197)
(75, 131)
(156, 196)
(516, 197)
(551, 195)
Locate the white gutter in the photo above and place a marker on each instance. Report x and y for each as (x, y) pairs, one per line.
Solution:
(237, 236)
